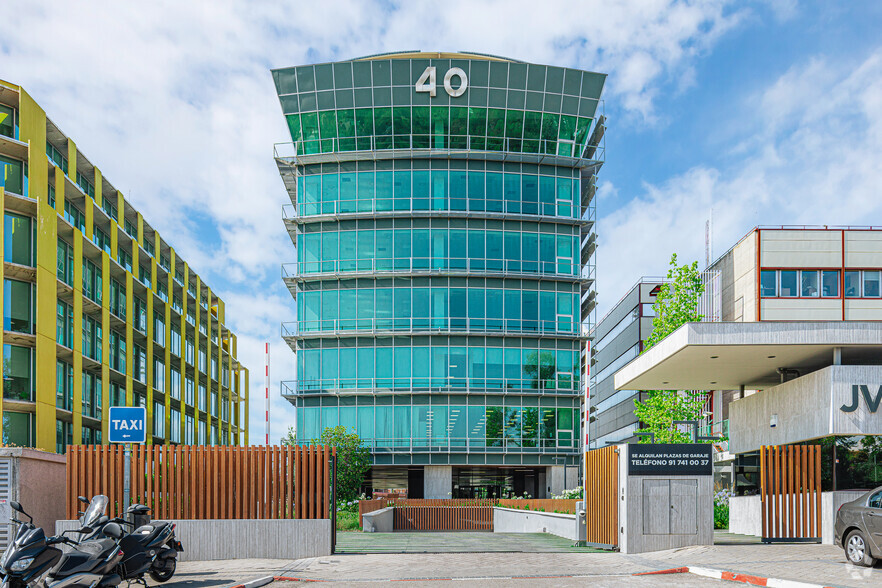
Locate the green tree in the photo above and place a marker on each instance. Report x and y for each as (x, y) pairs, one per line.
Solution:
(290, 437)
(675, 305)
(353, 460)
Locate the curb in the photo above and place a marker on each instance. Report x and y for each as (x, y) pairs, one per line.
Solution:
(704, 572)
(752, 580)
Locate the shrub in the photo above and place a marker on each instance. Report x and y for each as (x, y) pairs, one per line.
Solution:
(721, 509)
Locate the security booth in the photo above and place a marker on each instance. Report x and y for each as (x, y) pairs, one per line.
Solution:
(802, 420)
(649, 497)
(666, 496)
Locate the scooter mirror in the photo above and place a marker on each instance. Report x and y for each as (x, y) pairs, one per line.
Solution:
(113, 531)
(15, 506)
(83, 499)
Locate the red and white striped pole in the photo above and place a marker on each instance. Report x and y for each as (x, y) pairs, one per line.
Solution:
(267, 394)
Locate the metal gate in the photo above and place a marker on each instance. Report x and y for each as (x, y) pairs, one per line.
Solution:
(601, 497)
(790, 493)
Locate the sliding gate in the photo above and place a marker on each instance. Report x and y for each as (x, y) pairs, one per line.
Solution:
(790, 493)
(601, 497)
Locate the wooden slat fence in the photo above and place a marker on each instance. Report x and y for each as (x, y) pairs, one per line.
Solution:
(601, 496)
(200, 482)
(790, 492)
(443, 518)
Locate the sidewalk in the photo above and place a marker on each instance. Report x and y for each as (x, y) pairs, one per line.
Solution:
(813, 564)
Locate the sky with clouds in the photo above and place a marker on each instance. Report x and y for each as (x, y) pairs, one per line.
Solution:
(766, 112)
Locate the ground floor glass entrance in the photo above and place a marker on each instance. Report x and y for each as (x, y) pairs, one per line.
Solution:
(465, 482)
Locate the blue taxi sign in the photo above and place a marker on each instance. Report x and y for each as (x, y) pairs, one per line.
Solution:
(128, 424)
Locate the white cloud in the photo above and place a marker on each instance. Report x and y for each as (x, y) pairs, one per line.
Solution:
(175, 103)
(809, 156)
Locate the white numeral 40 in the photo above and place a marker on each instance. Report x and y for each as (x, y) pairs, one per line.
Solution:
(427, 83)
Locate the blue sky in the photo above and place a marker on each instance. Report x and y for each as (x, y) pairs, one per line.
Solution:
(767, 112)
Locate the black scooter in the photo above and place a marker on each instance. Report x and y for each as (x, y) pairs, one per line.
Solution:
(29, 556)
(150, 548)
(90, 564)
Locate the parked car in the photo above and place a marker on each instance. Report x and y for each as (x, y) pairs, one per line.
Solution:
(858, 528)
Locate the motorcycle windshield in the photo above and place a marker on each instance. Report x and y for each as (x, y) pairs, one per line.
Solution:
(95, 510)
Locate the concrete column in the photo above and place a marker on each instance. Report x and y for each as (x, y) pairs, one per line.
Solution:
(571, 477)
(438, 482)
(556, 479)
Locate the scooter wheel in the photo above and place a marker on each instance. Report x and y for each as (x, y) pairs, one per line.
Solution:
(167, 571)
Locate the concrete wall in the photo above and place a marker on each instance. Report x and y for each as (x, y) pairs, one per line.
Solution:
(379, 521)
(37, 481)
(830, 503)
(511, 520)
(438, 482)
(808, 407)
(745, 513)
(247, 538)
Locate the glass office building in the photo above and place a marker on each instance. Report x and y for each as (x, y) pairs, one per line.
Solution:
(443, 217)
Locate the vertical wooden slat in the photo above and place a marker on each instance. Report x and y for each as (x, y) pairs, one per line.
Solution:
(797, 492)
(191, 482)
(778, 526)
(231, 486)
(175, 464)
(216, 480)
(817, 455)
(326, 488)
(298, 494)
(201, 493)
(804, 532)
(249, 479)
(272, 459)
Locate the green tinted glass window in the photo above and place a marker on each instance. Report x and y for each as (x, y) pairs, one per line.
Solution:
(7, 121)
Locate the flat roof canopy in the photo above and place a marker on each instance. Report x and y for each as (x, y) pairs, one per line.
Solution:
(726, 356)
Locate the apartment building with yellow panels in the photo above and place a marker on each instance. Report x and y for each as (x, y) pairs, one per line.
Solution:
(98, 309)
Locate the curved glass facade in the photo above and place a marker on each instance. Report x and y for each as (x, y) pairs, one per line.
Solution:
(419, 246)
(443, 223)
(440, 304)
(372, 105)
(426, 185)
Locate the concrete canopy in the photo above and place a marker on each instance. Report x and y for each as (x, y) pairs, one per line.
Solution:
(726, 356)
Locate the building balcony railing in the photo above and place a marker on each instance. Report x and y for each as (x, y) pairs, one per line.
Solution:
(563, 327)
(717, 429)
(481, 145)
(452, 207)
(464, 445)
(563, 269)
(562, 384)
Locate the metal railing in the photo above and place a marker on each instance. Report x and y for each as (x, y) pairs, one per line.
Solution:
(438, 142)
(438, 265)
(717, 429)
(561, 326)
(466, 445)
(561, 383)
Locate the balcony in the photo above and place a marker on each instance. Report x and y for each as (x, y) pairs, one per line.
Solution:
(567, 328)
(562, 385)
(564, 269)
